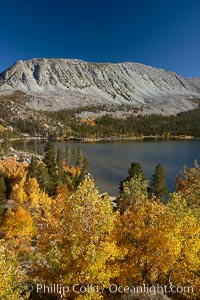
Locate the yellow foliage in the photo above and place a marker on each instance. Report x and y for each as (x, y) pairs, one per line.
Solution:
(38, 202)
(71, 170)
(12, 276)
(189, 185)
(145, 237)
(17, 222)
(2, 128)
(78, 244)
(187, 233)
(160, 244)
(29, 195)
(12, 168)
(79, 239)
(89, 122)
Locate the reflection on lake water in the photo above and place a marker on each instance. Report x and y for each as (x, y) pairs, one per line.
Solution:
(109, 162)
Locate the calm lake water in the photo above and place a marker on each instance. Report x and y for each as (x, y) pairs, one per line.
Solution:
(109, 162)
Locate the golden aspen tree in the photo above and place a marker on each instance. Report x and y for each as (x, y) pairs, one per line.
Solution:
(161, 244)
(18, 227)
(29, 195)
(188, 183)
(12, 276)
(185, 270)
(77, 245)
(146, 238)
(132, 190)
(12, 168)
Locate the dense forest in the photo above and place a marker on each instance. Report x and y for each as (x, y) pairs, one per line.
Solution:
(61, 239)
(17, 119)
(186, 123)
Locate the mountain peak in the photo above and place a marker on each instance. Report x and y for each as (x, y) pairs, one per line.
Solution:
(56, 83)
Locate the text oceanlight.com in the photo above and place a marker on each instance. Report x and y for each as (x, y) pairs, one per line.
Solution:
(113, 289)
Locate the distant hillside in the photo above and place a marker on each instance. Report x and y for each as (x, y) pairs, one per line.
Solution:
(54, 84)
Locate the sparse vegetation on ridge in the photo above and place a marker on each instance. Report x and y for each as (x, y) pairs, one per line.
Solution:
(103, 121)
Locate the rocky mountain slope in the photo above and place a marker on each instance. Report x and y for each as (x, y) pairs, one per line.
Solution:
(16, 115)
(54, 84)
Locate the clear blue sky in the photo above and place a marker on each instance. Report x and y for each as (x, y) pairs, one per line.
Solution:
(160, 33)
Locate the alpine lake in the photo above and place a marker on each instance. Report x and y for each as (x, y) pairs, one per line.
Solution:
(109, 161)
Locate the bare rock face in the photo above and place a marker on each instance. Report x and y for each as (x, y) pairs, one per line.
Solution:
(54, 84)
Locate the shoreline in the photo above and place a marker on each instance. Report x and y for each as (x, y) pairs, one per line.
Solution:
(107, 139)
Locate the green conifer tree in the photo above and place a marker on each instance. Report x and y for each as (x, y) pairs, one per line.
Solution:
(39, 171)
(2, 188)
(134, 171)
(32, 168)
(158, 184)
(50, 155)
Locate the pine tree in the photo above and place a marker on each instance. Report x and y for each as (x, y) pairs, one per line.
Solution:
(2, 188)
(39, 171)
(67, 154)
(78, 155)
(50, 161)
(59, 158)
(134, 171)
(32, 168)
(50, 157)
(158, 185)
(83, 163)
(6, 143)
